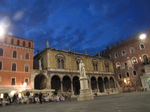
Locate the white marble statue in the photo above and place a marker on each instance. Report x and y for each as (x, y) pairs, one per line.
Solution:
(82, 69)
(40, 64)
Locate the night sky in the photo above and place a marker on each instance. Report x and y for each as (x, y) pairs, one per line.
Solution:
(80, 24)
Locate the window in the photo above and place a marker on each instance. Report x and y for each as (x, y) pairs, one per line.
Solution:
(95, 65)
(125, 64)
(60, 58)
(134, 60)
(26, 68)
(14, 54)
(13, 67)
(18, 42)
(27, 56)
(120, 76)
(127, 74)
(13, 81)
(1, 52)
(134, 72)
(146, 60)
(1, 65)
(26, 80)
(29, 44)
(131, 50)
(123, 53)
(24, 43)
(107, 66)
(77, 64)
(116, 56)
(142, 46)
(12, 41)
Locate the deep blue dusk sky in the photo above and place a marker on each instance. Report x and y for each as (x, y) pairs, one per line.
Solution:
(80, 24)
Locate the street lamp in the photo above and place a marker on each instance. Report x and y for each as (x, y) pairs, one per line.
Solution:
(1, 30)
(142, 36)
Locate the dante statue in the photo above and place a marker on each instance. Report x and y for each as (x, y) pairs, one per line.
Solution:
(82, 69)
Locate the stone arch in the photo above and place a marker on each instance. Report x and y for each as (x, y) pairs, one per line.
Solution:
(40, 81)
(76, 85)
(66, 83)
(112, 82)
(56, 83)
(101, 84)
(106, 83)
(93, 83)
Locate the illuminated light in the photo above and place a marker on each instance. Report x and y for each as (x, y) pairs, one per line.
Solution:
(125, 80)
(142, 36)
(24, 84)
(12, 93)
(1, 31)
(2, 95)
(19, 95)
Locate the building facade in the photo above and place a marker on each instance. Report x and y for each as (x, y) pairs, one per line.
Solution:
(129, 56)
(16, 62)
(59, 70)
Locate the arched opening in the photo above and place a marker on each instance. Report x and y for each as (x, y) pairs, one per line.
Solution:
(100, 84)
(106, 83)
(66, 83)
(55, 83)
(112, 82)
(76, 85)
(40, 81)
(93, 83)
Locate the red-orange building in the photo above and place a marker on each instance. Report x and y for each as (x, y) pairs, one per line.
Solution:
(16, 61)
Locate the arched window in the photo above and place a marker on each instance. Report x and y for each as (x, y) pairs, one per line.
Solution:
(1, 52)
(131, 50)
(123, 53)
(29, 44)
(134, 72)
(27, 56)
(24, 44)
(1, 65)
(146, 60)
(13, 81)
(107, 66)
(60, 58)
(95, 65)
(18, 42)
(14, 67)
(142, 46)
(14, 54)
(116, 55)
(134, 60)
(120, 76)
(127, 74)
(26, 68)
(12, 41)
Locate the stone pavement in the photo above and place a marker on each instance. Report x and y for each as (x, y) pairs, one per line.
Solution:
(124, 102)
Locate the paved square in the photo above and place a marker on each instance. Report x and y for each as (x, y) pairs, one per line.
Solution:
(125, 102)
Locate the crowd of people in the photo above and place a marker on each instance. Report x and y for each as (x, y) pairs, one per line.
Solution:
(38, 98)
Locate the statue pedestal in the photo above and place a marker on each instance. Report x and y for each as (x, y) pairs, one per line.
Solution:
(85, 92)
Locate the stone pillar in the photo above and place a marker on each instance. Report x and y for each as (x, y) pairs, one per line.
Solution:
(97, 86)
(62, 86)
(85, 92)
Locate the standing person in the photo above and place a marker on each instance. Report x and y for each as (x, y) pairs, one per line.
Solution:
(40, 97)
(69, 95)
(15, 97)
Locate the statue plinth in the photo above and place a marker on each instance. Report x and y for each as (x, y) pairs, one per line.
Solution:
(85, 92)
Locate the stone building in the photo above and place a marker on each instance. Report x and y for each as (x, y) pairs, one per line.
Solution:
(16, 61)
(129, 56)
(59, 70)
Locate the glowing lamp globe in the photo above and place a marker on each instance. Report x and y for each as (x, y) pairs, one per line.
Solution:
(142, 36)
